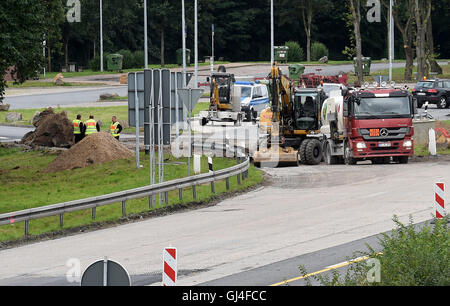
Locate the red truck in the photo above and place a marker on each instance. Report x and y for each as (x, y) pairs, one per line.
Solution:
(368, 124)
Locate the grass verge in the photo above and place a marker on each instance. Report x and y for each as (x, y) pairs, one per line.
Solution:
(29, 84)
(23, 185)
(398, 75)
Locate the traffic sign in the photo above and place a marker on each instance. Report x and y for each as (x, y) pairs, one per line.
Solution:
(190, 97)
(105, 273)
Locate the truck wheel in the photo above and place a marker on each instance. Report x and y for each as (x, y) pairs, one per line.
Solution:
(313, 152)
(349, 160)
(302, 151)
(203, 121)
(329, 158)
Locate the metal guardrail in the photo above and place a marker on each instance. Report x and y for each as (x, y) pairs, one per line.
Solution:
(240, 171)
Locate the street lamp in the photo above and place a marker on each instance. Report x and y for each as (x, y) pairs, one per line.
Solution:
(101, 35)
(145, 35)
(272, 57)
(196, 44)
(183, 26)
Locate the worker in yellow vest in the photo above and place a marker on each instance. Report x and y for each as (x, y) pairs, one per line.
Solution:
(78, 129)
(92, 126)
(115, 128)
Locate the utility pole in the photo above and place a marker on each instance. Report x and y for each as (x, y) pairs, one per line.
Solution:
(183, 26)
(196, 43)
(212, 48)
(145, 35)
(272, 38)
(391, 39)
(101, 35)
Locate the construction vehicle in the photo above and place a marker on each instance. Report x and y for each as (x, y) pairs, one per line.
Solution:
(371, 123)
(225, 101)
(292, 124)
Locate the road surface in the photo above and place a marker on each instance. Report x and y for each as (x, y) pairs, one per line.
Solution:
(300, 210)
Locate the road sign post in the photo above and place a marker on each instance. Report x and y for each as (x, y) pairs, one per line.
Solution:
(190, 97)
(170, 268)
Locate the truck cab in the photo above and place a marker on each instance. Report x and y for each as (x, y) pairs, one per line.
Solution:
(369, 124)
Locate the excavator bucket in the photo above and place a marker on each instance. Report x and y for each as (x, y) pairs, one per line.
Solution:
(276, 156)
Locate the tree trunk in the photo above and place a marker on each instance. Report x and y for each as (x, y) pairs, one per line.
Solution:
(66, 55)
(49, 58)
(422, 9)
(434, 66)
(307, 13)
(94, 49)
(162, 47)
(356, 13)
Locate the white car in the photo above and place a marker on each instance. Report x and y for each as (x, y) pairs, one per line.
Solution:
(254, 98)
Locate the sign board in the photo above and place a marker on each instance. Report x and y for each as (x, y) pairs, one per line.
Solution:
(136, 99)
(190, 97)
(105, 273)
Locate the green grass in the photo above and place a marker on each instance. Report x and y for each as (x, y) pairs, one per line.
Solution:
(201, 106)
(29, 84)
(422, 150)
(398, 75)
(100, 113)
(23, 185)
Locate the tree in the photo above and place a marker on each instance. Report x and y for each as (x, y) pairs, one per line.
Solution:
(355, 8)
(53, 18)
(422, 10)
(403, 13)
(21, 29)
(307, 16)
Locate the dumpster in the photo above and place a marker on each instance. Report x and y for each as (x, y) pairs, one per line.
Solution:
(366, 62)
(281, 53)
(295, 71)
(114, 62)
(180, 57)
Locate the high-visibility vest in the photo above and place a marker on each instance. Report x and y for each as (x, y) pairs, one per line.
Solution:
(113, 129)
(91, 127)
(76, 126)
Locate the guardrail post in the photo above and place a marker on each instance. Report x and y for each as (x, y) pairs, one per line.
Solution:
(239, 178)
(150, 201)
(180, 194)
(124, 208)
(27, 227)
(227, 180)
(213, 190)
(166, 198)
(94, 213)
(61, 220)
(194, 192)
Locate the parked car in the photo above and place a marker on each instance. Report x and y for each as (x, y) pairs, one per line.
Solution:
(254, 99)
(432, 91)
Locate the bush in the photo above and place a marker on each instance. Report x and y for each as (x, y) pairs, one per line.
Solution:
(94, 64)
(410, 257)
(295, 52)
(138, 59)
(318, 50)
(128, 59)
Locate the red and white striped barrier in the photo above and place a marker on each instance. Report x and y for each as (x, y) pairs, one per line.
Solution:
(169, 277)
(439, 200)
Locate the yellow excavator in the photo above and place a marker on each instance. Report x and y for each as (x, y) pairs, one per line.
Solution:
(292, 124)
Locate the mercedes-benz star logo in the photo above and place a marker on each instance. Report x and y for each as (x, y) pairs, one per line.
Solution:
(384, 132)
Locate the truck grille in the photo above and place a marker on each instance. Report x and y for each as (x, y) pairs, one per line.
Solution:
(392, 134)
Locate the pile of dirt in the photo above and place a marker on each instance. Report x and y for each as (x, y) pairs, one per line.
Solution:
(52, 130)
(93, 149)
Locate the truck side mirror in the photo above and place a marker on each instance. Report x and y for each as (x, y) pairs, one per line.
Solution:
(207, 79)
(414, 105)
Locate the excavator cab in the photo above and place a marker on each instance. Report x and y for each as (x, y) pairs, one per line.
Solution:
(221, 91)
(306, 111)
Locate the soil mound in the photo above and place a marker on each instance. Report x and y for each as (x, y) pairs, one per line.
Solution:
(52, 130)
(93, 149)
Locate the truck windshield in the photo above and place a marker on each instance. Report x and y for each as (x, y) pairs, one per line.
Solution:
(386, 107)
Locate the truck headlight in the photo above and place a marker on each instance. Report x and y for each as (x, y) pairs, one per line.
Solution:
(361, 145)
(407, 143)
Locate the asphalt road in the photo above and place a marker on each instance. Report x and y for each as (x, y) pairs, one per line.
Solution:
(52, 98)
(11, 134)
(300, 210)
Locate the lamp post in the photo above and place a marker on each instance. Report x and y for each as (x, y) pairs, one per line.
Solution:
(272, 38)
(183, 26)
(145, 35)
(101, 35)
(196, 43)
